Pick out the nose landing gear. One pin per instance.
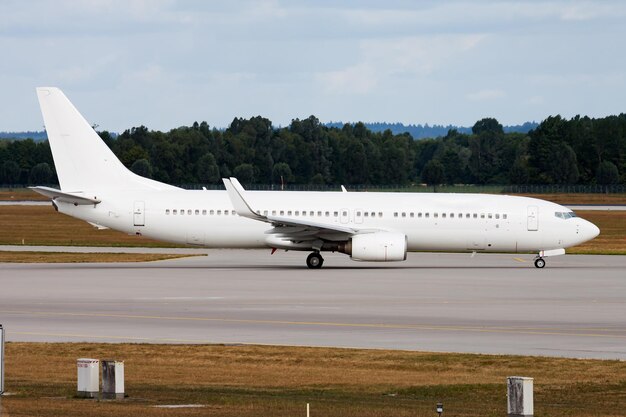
(539, 262)
(314, 260)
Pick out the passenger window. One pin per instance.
(167, 211)
(412, 214)
(504, 216)
(289, 213)
(467, 215)
(497, 216)
(327, 214)
(435, 215)
(282, 212)
(273, 212)
(197, 212)
(182, 212)
(204, 212)
(419, 215)
(395, 214)
(219, 212)
(403, 214)
(189, 212)
(366, 214)
(443, 215)
(319, 214)
(297, 212)
(427, 215)
(475, 215)
(212, 212)
(358, 213)
(311, 213)
(265, 212)
(460, 215)
(373, 214)
(490, 216)
(336, 214)
(174, 211)
(225, 212)
(345, 214)
(452, 215)
(482, 215)
(380, 214)
(233, 212)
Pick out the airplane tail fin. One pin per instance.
(82, 160)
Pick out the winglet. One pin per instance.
(235, 193)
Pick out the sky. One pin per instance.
(168, 63)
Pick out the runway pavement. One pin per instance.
(574, 307)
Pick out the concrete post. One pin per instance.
(520, 397)
(1, 359)
(112, 379)
(88, 371)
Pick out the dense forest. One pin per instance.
(558, 151)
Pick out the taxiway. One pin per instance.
(500, 304)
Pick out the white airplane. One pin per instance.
(368, 226)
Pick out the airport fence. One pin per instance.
(457, 188)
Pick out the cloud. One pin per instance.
(384, 60)
(484, 95)
(357, 79)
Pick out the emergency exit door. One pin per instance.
(139, 215)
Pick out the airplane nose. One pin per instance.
(589, 230)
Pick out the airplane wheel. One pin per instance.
(540, 263)
(314, 260)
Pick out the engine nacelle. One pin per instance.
(377, 247)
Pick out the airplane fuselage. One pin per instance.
(435, 222)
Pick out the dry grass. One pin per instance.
(64, 257)
(20, 194)
(279, 381)
(602, 199)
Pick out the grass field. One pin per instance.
(58, 257)
(41, 225)
(279, 381)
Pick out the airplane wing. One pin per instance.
(58, 195)
(285, 227)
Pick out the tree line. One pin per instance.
(581, 150)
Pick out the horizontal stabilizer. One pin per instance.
(58, 195)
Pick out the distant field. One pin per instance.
(42, 225)
(620, 199)
(241, 381)
(18, 194)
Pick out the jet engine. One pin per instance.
(377, 247)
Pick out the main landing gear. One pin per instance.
(539, 262)
(314, 260)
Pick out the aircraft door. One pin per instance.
(533, 218)
(139, 215)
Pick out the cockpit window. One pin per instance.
(565, 214)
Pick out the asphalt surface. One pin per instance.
(574, 307)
